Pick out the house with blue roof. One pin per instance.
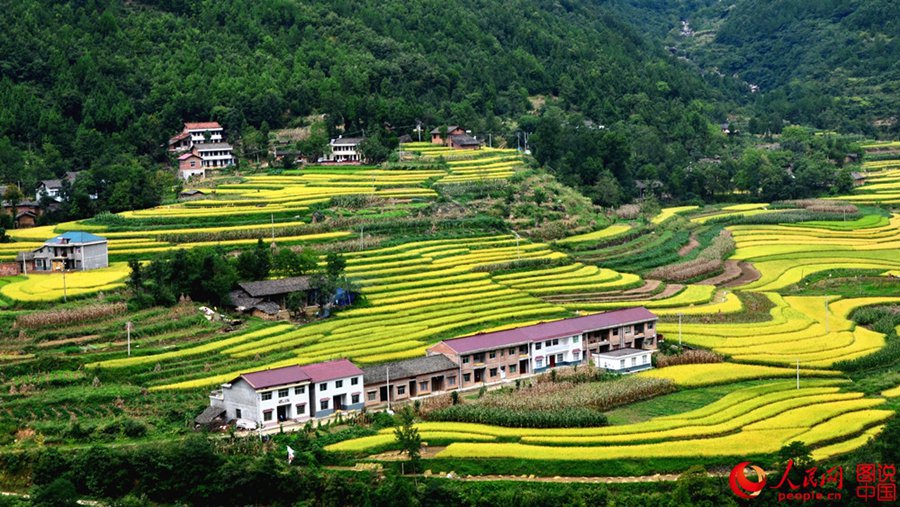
(73, 250)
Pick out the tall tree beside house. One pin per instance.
(408, 437)
(13, 196)
(255, 264)
(315, 145)
(335, 264)
(287, 262)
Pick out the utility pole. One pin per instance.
(128, 326)
(65, 290)
(518, 256)
(273, 227)
(826, 314)
(798, 374)
(490, 139)
(361, 229)
(680, 347)
(387, 370)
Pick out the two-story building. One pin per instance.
(345, 150)
(53, 188)
(501, 355)
(266, 397)
(290, 393)
(402, 380)
(197, 133)
(73, 250)
(335, 385)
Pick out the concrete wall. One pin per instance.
(93, 256)
(241, 396)
(322, 395)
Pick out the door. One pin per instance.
(382, 393)
(552, 359)
(284, 412)
(523, 367)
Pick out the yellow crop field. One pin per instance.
(668, 213)
(53, 286)
(612, 230)
(718, 373)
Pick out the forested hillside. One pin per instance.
(831, 64)
(105, 82)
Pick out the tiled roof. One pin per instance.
(464, 140)
(76, 237)
(450, 128)
(347, 141)
(179, 137)
(408, 368)
(339, 368)
(212, 146)
(275, 377)
(188, 155)
(197, 125)
(265, 288)
(547, 330)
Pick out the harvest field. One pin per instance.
(750, 300)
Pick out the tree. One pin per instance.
(408, 437)
(289, 263)
(13, 196)
(335, 265)
(59, 493)
(254, 264)
(695, 488)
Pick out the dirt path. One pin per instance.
(732, 270)
(612, 297)
(68, 341)
(644, 290)
(690, 246)
(748, 274)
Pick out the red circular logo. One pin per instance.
(741, 485)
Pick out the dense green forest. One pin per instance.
(102, 84)
(99, 85)
(831, 64)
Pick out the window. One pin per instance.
(193, 163)
(616, 332)
(649, 325)
(338, 384)
(401, 389)
(493, 372)
(267, 415)
(301, 409)
(465, 359)
(354, 381)
(479, 358)
(467, 377)
(539, 362)
(451, 380)
(576, 339)
(266, 395)
(237, 413)
(523, 349)
(492, 355)
(643, 359)
(576, 353)
(354, 399)
(512, 350)
(556, 341)
(633, 361)
(512, 368)
(560, 358)
(323, 386)
(284, 393)
(537, 346)
(548, 343)
(371, 395)
(300, 390)
(323, 404)
(423, 386)
(621, 363)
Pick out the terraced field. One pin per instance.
(761, 418)
(466, 166)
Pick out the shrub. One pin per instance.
(687, 357)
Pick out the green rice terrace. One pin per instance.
(443, 244)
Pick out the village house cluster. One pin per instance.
(620, 341)
(203, 146)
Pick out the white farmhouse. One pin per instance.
(344, 150)
(291, 393)
(624, 360)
